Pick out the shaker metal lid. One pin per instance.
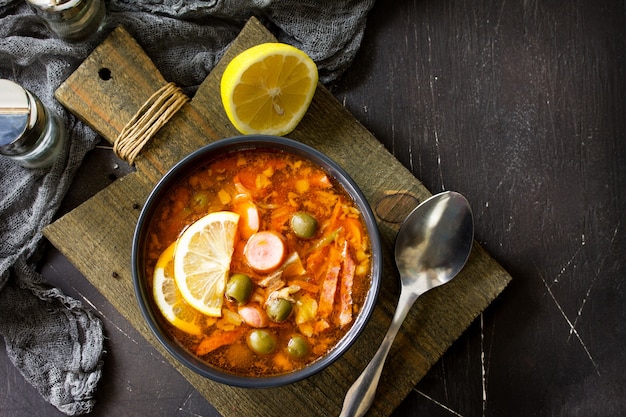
(21, 119)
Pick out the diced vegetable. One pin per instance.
(231, 317)
(320, 180)
(218, 339)
(249, 217)
(307, 286)
(224, 196)
(293, 266)
(306, 309)
(353, 231)
(303, 185)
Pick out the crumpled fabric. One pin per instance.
(55, 342)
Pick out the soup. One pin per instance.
(300, 266)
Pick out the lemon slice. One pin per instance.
(268, 88)
(202, 260)
(169, 299)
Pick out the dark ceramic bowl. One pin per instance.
(143, 290)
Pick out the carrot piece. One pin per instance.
(353, 230)
(281, 215)
(345, 289)
(329, 286)
(218, 339)
(315, 264)
(249, 215)
(334, 217)
(320, 326)
(282, 362)
(265, 251)
(247, 178)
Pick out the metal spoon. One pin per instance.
(432, 246)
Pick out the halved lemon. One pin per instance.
(169, 299)
(202, 260)
(268, 88)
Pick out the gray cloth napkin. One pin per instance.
(54, 341)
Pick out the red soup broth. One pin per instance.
(325, 276)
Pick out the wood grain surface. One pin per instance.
(97, 235)
(520, 106)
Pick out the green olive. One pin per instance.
(298, 346)
(200, 200)
(303, 225)
(239, 288)
(261, 341)
(278, 309)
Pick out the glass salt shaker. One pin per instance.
(30, 134)
(71, 20)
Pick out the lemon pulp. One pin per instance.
(169, 299)
(268, 88)
(202, 260)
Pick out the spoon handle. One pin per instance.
(360, 396)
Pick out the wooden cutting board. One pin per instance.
(106, 91)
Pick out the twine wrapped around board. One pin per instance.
(150, 117)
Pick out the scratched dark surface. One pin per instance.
(519, 105)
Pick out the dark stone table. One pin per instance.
(520, 106)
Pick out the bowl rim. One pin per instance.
(204, 155)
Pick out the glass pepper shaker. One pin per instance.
(30, 134)
(71, 20)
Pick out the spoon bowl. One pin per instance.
(432, 246)
(434, 242)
